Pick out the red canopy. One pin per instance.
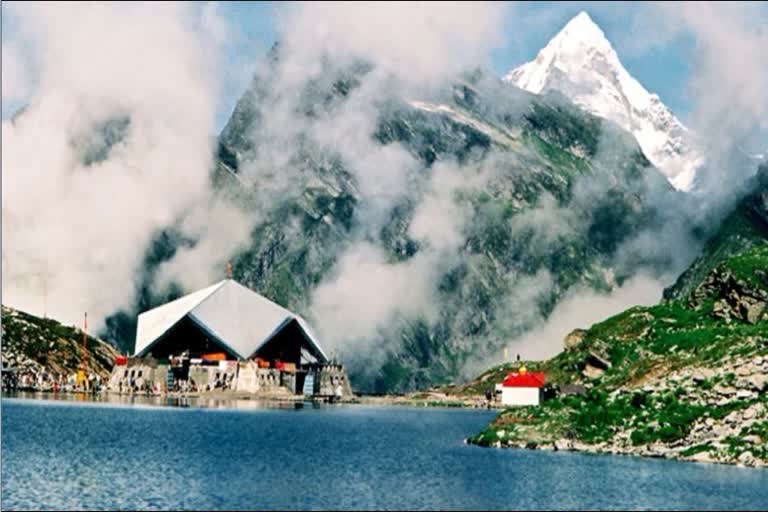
(525, 380)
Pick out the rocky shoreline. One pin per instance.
(651, 451)
(728, 425)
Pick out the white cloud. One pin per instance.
(86, 228)
(422, 41)
(580, 309)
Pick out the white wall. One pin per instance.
(520, 396)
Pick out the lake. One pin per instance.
(81, 455)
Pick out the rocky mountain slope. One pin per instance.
(745, 227)
(42, 345)
(580, 63)
(542, 199)
(537, 150)
(685, 379)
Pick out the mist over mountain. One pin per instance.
(423, 229)
(422, 213)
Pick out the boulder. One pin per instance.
(719, 308)
(725, 391)
(574, 339)
(702, 457)
(702, 374)
(746, 458)
(598, 360)
(720, 431)
(592, 372)
(759, 382)
(754, 312)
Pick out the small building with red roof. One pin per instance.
(523, 388)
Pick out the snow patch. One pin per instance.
(580, 63)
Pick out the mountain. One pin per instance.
(744, 228)
(580, 63)
(42, 345)
(526, 198)
(541, 152)
(686, 379)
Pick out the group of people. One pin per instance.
(137, 385)
(184, 386)
(222, 382)
(28, 380)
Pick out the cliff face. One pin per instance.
(41, 345)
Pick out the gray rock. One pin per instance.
(754, 312)
(702, 374)
(759, 382)
(574, 339)
(598, 360)
(702, 457)
(725, 391)
(747, 458)
(592, 372)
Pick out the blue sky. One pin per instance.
(662, 69)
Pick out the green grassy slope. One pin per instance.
(687, 378)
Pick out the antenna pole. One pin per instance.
(85, 337)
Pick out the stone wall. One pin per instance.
(244, 376)
(138, 377)
(329, 377)
(204, 377)
(252, 379)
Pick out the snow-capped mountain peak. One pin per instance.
(580, 63)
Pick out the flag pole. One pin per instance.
(85, 337)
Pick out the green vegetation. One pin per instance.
(741, 230)
(642, 346)
(51, 344)
(751, 266)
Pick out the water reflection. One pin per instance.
(203, 402)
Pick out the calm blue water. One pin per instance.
(65, 455)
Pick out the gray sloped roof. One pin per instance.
(235, 315)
